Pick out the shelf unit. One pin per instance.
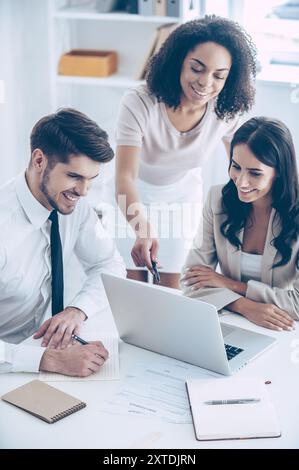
(78, 26)
(88, 13)
(116, 80)
(81, 26)
(66, 21)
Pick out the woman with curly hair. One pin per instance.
(251, 228)
(197, 86)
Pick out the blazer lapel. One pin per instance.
(269, 250)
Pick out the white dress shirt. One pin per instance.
(25, 268)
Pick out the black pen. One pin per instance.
(234, 401)
(80, 340)
(156, 272)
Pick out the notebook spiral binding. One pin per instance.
(68, 412)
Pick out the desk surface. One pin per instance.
(92, 428)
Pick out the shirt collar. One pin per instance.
(34, 210)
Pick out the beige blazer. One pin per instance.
(279, 286)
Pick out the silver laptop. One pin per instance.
(177, 326)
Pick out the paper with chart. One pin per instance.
(155, 389)
(109, 371)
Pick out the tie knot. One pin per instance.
(53, 216)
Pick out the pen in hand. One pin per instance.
(236, 401)
(155, 272)
(80, 340)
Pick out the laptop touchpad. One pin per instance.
(226, 330)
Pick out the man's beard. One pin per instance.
(43, 187)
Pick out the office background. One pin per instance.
(34, 33)
(28, 85)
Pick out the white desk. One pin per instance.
(91, 428)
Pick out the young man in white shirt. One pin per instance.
(67, 150)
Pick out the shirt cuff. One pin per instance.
(23, 358)
(253, 291)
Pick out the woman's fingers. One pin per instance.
(282, 314)
(283, 322)
(137, 259)
(198, 285)
(197, 272)
(271, 326)
(196, 279)
(277, 322)
(191, 280)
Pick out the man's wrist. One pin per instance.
(83, 315)
(50, 361)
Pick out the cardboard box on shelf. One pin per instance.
(88, 63)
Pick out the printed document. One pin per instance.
(155, 389)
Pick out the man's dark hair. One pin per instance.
(164, 69)
(70, 132)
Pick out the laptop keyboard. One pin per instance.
(232, 351)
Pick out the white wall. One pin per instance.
(8, 154)
(24, 68)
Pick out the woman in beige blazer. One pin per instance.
(250, 228)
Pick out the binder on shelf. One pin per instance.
(132, 7)
(173, 8)
(107, 6)
(160, 7)
(146, 7)
(186, 9)
(161, 34)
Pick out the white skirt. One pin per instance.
(174, 211)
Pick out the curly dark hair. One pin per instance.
(271, 143)
(164, 68)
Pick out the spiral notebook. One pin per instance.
(44, 401)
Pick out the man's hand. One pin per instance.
(197, 277)
(57, 331)
(76, 361)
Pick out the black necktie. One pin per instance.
(57, 265)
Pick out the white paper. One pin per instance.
(155, 389)
(109, 371)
